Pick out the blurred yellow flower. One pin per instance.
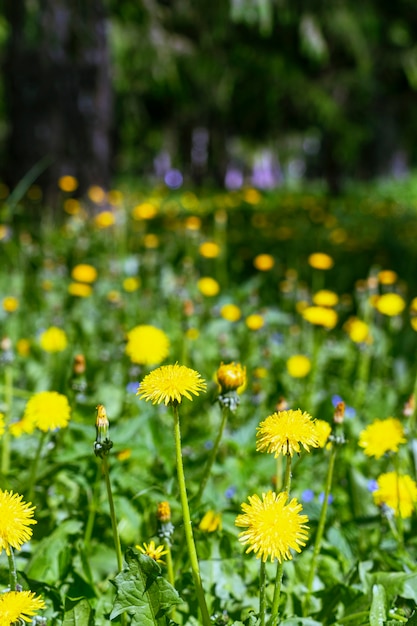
(80, 290)
(96, 194)
(151, 241)
(320, 316)
(72, 206)
(323, 430)
(320, 261)
(144, 211)
(2, 426)
(84, 273)
(413, 322)
(284, 432)
(46, 410)
(325, 297)
(273, 526)
(10, 304)
(147, 345)
(68, 183)
(390, 304)
(211, 522)
(192, 334)
(397, 491)
(387, 277)
(113, 296)
(19, 607)
(124, 455)
(104, 219)
(163, 512)
(209, 249)
(231, 376)
(169, 383)
(154, 552)
(357, 330)
(382, 436)
(193, 223)
(16, 517)
(264, 262)
(131, 284)
(413, 305)
(53, 339)
(255, 321)
(115, 197)
(252, 196)
(298, 366)
(208, 286)
(230, 312)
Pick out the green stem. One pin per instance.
(400, 524)
(280, 565)
(187, 521)
(92, 508)
(12, 570)
(320, 528)
(35, 465)
(413, 418)
(363, 375)
(170, 575)
(5, 440)
(116, 537)
(212, 457)
(262, 594)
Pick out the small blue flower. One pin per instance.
(132, 387)
(307, 495)
(329, 499)
(372, 485)
(230, 492)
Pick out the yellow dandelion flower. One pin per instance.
(170, 383)
(131, 284)
(210, 522)
(163, 513)
(84, 273)
(144, 211)
(115, 197)
(323, 430)
(390, 304)
(193, 223)
(53, 339)
(208, 286)
(413, 306)
(230, 312)
(264, 262)
(96, 194)
(284, 432)
(47, 410)
(397, 491)
(67, 183)
(147, 345)
(255, 321)
(320, 316)
(80, 290)
(124, 455)
(413, 322)
(192, 333)
(209, 249)
(358, 330)
(382, 436)
(387, 277)
(151, 241)
(325, 297)
(153, 551)
(274, 528)
(320, 261)
(10, 304)
(2, 426)
(231, 376)
(17, 607)
(252, 196)
(105, 219)
(298, 366)
(16, 517)
(72, 206)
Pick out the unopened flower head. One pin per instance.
(153, 551)
(284, 432)
(46, 410)
(147, 345)
(17, 607)
(231, 376)
(16, 518)
(273, 526)
(169, 383)
(163, 512)
(397, 491)
(382, 436)
(103, 443)
(339, 413)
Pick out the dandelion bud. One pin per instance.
(231, 376)
(163, 512)
(409, 406)
(165, 528)
(78, 366)
(103, 444)
(339, 413)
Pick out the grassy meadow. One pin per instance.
(258, 305)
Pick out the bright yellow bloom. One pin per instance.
(10, 304)
(18, 606)
(284, 432)
(231, 376)
(193, 223)
(47, 410)
(163, 513)
(53, 339)
(208, 286)
(230, 312)
(298, 366)
(264, 262)
(2, 427)
(323, 430)
(358, 330)
(387, 277)
(170, 383)
(320, 261)
(131, 284)
(15, 520)
(209, 249)
(67, 183)
(382, 436)
(325, 297)
(152, 551)
(211, 522)
(144, 211)
(252, 196)
(84, 273)
(320, 316)
(104, 219)
(390, 304)
(274, 528)
(397, 491)
(147, 345)
(80, 290)
(255, 321)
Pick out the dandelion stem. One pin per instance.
(35, 464)
(12, 570)
(116, 538)
(262, 594)
(213, 454)
(5, 440)
(320, 528)
(92, 508)
(187, 521)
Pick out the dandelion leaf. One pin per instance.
(378, 613)
(78, 613)
(142, 592)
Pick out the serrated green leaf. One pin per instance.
(78, 613)
(143, 592)
(378, 613)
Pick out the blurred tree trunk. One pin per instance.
(57, 76)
